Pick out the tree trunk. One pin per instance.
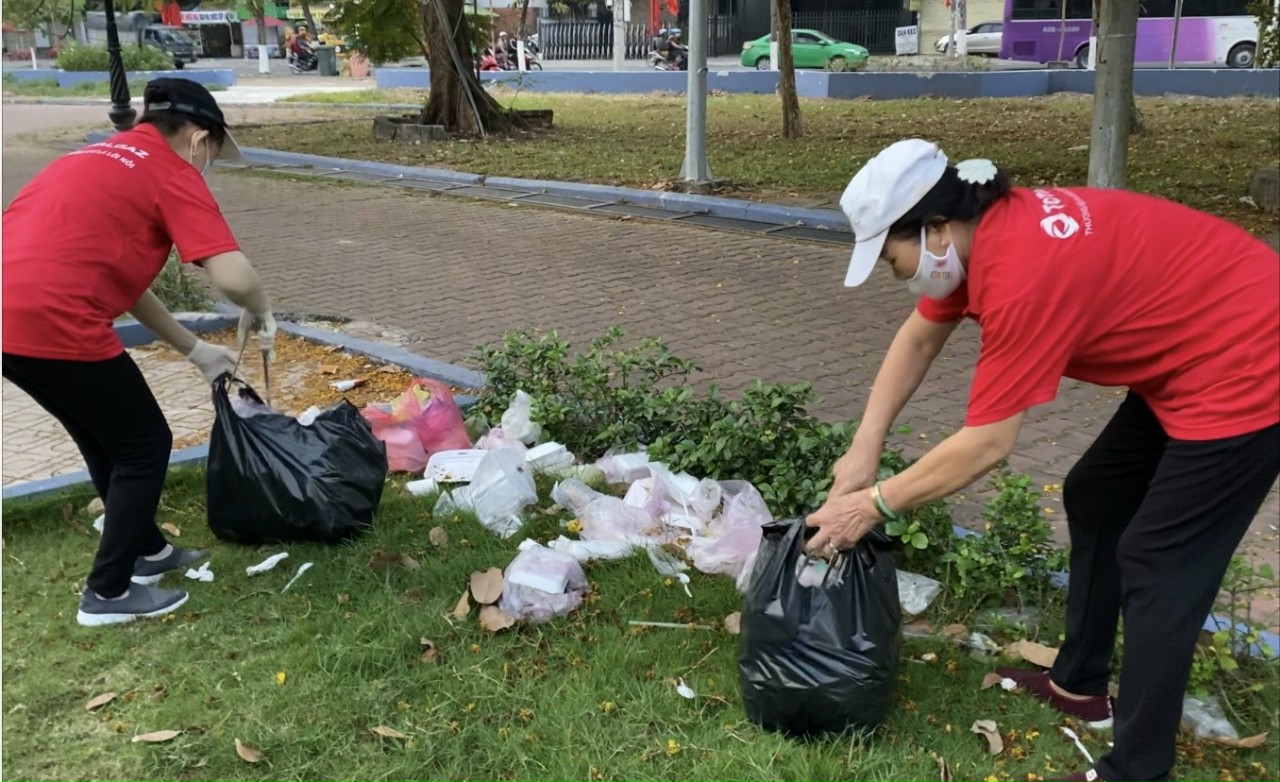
(456, 99)
(311, 20)
(791, 127)
(523, 32)
(260, 18)
(1113, 104)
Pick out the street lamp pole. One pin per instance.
(122, 114)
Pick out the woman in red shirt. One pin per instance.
(1108, 287)
(83, 241)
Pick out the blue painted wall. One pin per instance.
(818, 84)
(226, 77)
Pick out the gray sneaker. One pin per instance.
(147, 572)
(140, 601)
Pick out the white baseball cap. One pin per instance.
(883, 191)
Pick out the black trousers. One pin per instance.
(1154, 523)
(111, 414)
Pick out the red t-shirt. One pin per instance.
(87, 236)
(1121, 289)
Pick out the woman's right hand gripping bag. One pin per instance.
(820, 658)
(272, 478)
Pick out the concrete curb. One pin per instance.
(735, 208)
(134, 334)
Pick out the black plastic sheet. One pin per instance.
(823, 658)
(270, 478)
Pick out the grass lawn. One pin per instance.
(1198, 151)
(48, 88)
(304, 676)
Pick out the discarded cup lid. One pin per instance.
(453, 466)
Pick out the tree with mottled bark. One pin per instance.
(1113, 102)
(791, 127)
(388, 30)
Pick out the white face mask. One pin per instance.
(208, 159)
(938, 276)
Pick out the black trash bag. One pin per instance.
(272, 479)
(819, 659)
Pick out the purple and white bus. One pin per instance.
(1210, 32)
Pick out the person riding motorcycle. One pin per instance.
(672, 50)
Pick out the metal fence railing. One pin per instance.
(579, 40)
(564, 39)
(871, 29)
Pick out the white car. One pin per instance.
(981, 39)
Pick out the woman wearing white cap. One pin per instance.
(83, 242)
(1108, 287)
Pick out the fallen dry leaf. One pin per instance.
(486, 586)
(380, 558)
(247, 753)
(438, 537)
(329, 369)
(96, 507)
(952, 632)
(494, 619)
(988, 728)
(991, 680)
(389, 733)
(463, 607)
(157, 737)
(100, 701)
(68, 511)
(430, 652)
(1032, 652)
(412, 593)
(1252, 742)
(409, 562)
(733, 623)
(172, 529)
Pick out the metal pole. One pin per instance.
(1177, 20)
(122, 114)
(620, 34)
(695, 168)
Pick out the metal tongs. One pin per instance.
(266, 368)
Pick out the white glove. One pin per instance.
(212, 360)
(262, 326)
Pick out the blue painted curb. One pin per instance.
(187, 457)
(133, 334)
(740, 209)
(222, 76)
(736, 208)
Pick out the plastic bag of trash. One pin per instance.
(624, 467)
(426, 413)
(730, 540)
(822, 658)
(574, 495)
(916, 592)
(541, 583)
(680, 499)
(609, 518)
(517, 421)
(1206, 719)
(496, 439)
(272, 478)
(501, 487)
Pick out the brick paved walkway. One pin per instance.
(456, 274)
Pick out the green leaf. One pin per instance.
(920, 540)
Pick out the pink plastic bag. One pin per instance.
(425, 419)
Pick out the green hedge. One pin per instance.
(83, 57)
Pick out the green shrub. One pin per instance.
(1014, 558)
(84, 57)
(179, 289)
(612, 396)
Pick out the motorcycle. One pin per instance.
(303, 61)
(487, 61)
(678, 62)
